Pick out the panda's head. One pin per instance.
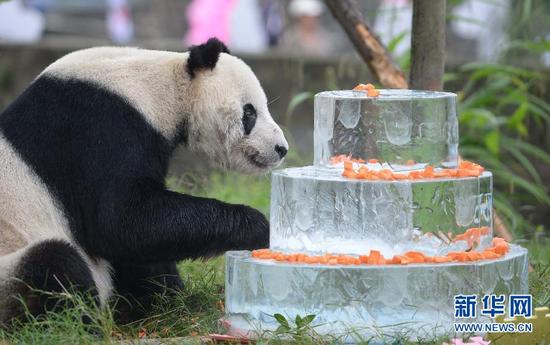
(229, 121)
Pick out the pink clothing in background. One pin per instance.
(208, 18)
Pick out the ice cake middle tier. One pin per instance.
(315, 209)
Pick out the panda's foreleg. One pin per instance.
(138, 286)
(47, 269)
(153, 226)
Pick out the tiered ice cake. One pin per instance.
(382, 231)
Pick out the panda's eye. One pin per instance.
(249, 118)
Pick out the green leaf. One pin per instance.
(394, 42)
(492, 142)
(524, 161)
(298, 321)
(532, 150)
(282, 329)
(308, 319)
(517, 118)
(295, 102)
(478, 117)
(281, 320)
(537, 191)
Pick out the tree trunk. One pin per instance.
(367, 44)
(428, 45)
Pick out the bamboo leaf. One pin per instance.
(525, 162)
(492, 142)
(532, 150)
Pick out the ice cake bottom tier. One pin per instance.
(417, 300)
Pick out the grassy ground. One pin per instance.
(195, 311)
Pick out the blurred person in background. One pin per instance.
(208, 18)
(273, 21)
(247, 30)
(20, 24)
(306, 35)
(119, 21)
(237, 23)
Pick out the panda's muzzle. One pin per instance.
(258, 160)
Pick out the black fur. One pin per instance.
(249, 118)
(107, 166)
(140, 284)
(49, 266)
(205, 56)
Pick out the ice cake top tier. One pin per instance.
(405, 128)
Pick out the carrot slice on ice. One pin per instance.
(374, 257)
(349, 173)
(442, 259)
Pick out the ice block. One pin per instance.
(315, 209)
(416, 299)
(404, 128)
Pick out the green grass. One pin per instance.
(195, 311)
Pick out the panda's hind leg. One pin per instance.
(139, 285)
(45, 271)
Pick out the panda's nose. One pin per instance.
(281, 150)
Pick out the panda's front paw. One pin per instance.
(254, 229)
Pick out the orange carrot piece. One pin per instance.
(400, 260)
(442, 259)
(266, 256)
(385, 174)
(414, 253)
(467, 173)
(416, 175)
(459, 256)
(363, 172)
(498, 240)
(364, 259)
(374, 257)
(372, 177)
(311, 260)
(373, 161)
(373, 93)
(474, 256)
(348, 165)
(440, 174)
(489, 255)
(400, 176)
(349, 174)
(501, 248)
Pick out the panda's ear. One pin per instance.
(205, 55)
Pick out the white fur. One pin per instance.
(27, 209)
(29, 214)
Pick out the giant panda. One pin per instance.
(84, 152)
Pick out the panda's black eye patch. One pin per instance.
(249, 118)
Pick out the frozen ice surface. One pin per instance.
(315, 209)
(397, 127)
(398, 298)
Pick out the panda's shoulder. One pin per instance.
(94, 60)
